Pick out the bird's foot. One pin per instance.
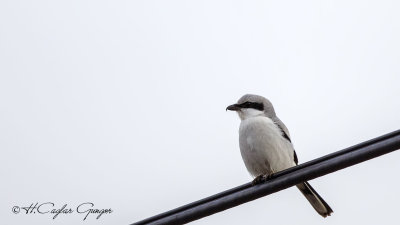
(261, 179)
(258, 180)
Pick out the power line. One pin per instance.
(281, 180)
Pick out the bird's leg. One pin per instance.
(269, 176)
(262, 178)
(258, 180)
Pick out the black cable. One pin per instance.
(281, 180)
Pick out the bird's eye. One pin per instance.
(253, 105)
(247, 104)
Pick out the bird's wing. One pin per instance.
(286, 135)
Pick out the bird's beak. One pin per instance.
(234, 107)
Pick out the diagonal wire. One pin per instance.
(281, 180)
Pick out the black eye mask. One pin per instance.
(253, 105)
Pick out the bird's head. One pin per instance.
(251, 106)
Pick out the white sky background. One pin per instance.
(122, 103)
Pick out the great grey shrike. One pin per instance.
(266, 147)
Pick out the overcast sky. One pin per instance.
(122, 104)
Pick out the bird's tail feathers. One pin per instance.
(315, 199)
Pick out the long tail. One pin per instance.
(315, 199)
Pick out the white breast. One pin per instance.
(264, 150)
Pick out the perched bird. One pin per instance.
(266, 147)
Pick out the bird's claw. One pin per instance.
(261, 179)
(257, 180)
